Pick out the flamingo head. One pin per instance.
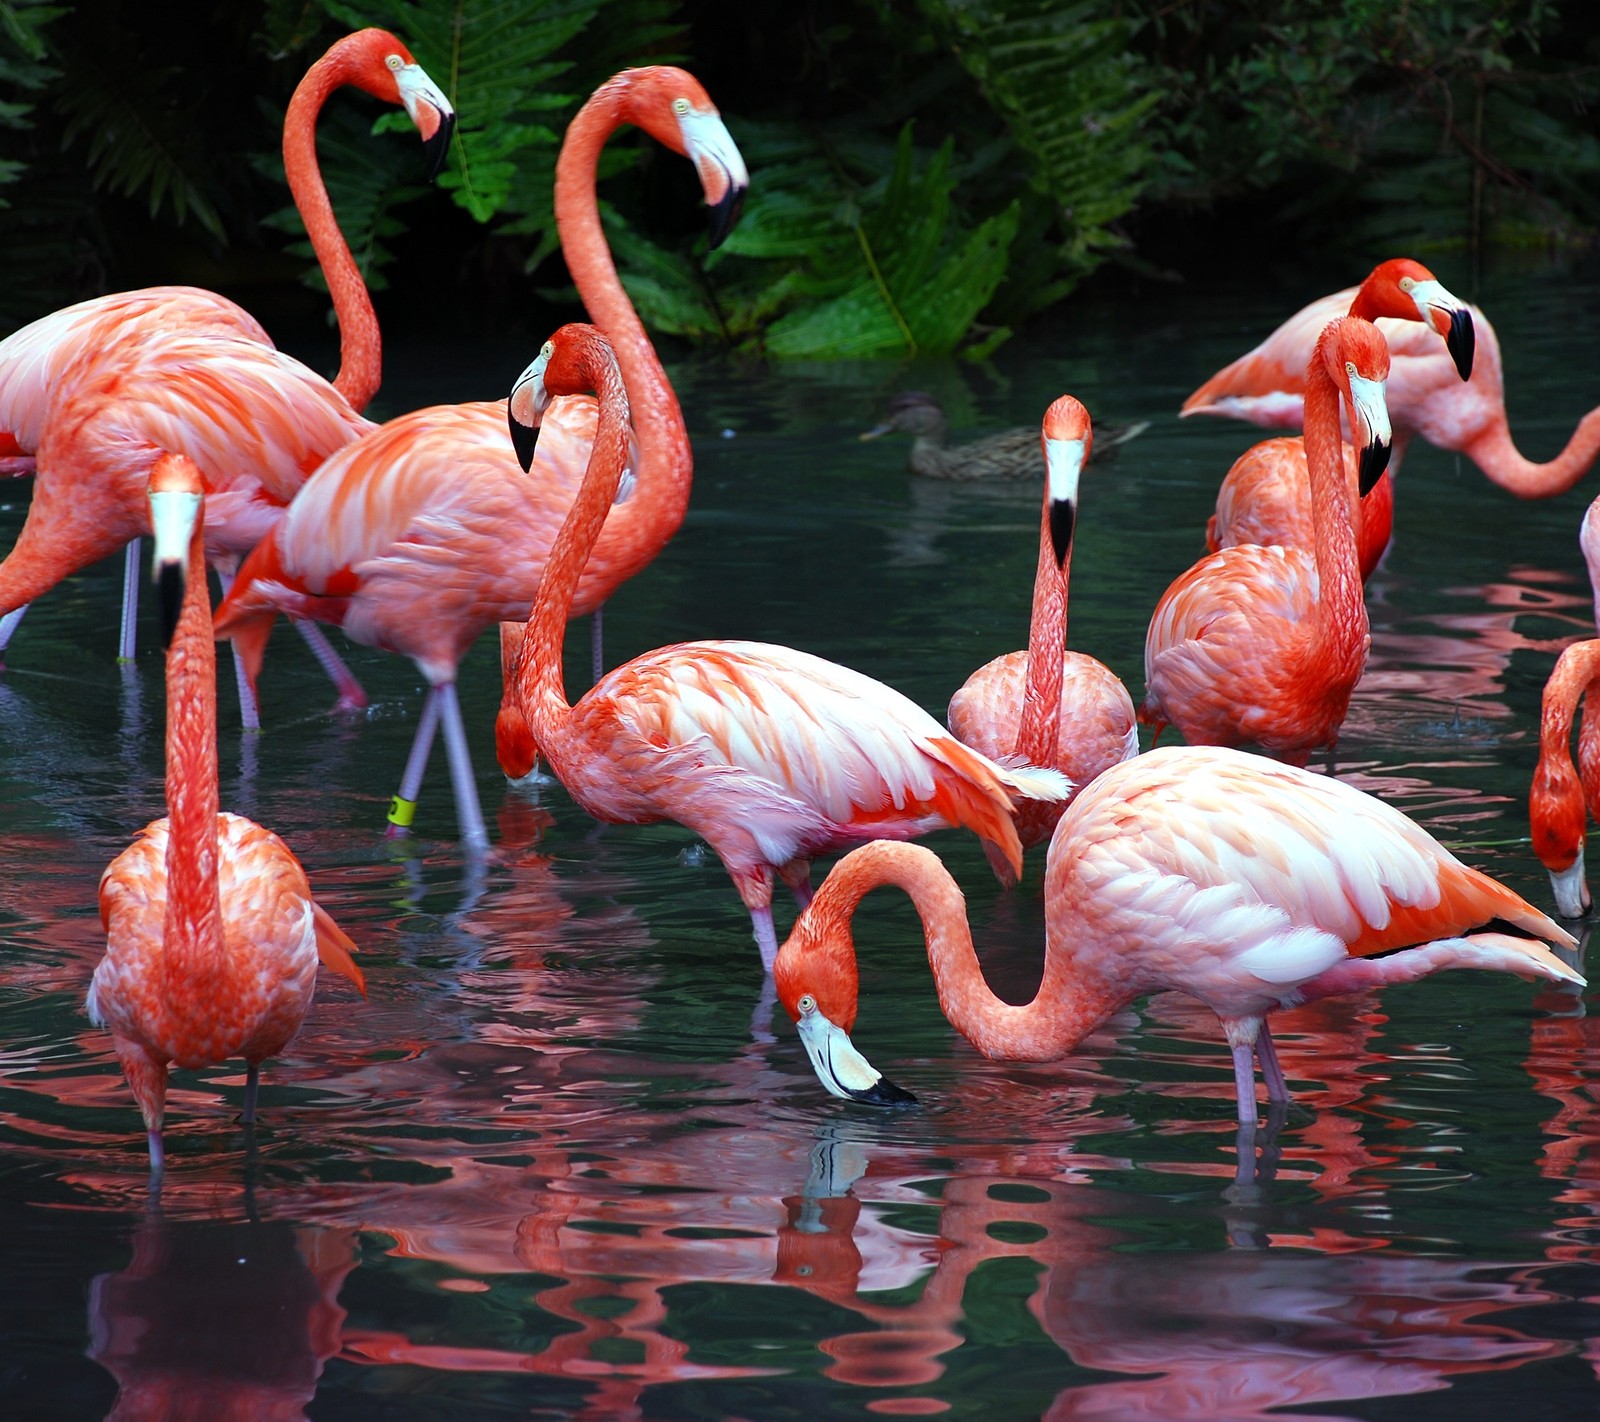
(375, 61)
(514, 745)
(574, 361)
(1356, 356)
(818, 985)
(176, 502)
(1556, 816)
(1408, 291)
(1067, 439)
(670, 105)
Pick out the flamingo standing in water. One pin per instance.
(427, 531)
(1048, 705)
(212, 936)
(1250, 885)
(1265, 644)
(1267, 387)
(34, 359)
(1561, 796)
(1266, 495)
(770, 755)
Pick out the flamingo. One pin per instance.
(252, 418)
(1047, 705)
(34, 359)
(769, 754)
(1250, 885)
(1467, 416)
(422, 534)
(212, 936)
(1561, 796)
(1266, 644)
(1266, 495)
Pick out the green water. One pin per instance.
(565, 1161)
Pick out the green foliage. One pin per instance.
(24, 70)
(1436, 123)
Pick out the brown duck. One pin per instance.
(1010, 454)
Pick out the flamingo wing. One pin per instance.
(1267, 384)
(1307, 867)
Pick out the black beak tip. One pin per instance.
(884, 1093)
(1462, 341)
(524, 439)
(1063, 515)
(169, 589)
(725, 214)
(438, 147)
(1374, 460)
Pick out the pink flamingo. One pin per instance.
(770, 755)
(1048, 705)
(422, 534)
(1266, 387)
(1561, 797)
(1266, 496)
(34, 359)
(1265, 644)
(212, 936)
(1249, 885)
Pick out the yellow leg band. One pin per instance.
(402, 812)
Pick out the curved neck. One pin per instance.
(1341, 612)
(1040, 726)
(638, 528)
(543, 692)
(192, 943)
(360, 347)
(1064, 1010)
(1492, 450)
(1575, 670)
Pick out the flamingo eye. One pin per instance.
(548, 349)
(1406, 283)
(807, 1004)
(680, 106)
(1350, 369)
(395, 63)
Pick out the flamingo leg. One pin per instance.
(474, 834)
(249, 711)
(252, 1084)
(1271, 1070)
(404, 805)
(130, 601)
(352, 697)
(158, 1156)
(766, 936)
(1244, 1081)
(596, 640)
(797, 875)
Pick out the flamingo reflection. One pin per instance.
(230, 1321)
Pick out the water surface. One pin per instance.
(566, 1161)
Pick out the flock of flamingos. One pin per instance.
(1238, 877)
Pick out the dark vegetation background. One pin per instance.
(925, 176)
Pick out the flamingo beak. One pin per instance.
(173, 515)
(1369, 418)
(433, 114)
(1571, 889)
(841, 1068)
(1063, 460)
(525, 409)
(723, 175)
(1461, 341)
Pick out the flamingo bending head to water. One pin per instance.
(1045, 704)
(769, 754)
(1562, 797)
(212, 936)
(1250, 885)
